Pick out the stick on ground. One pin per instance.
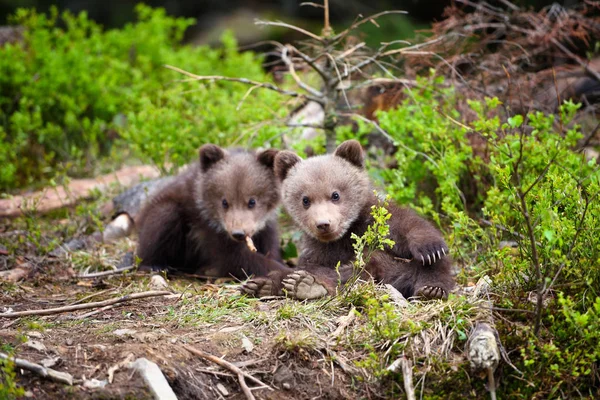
(241, 375)
(407, 374)
(49, 373)
(59, 310)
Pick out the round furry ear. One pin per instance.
(351, 151)
(267, 157)
(284, 161)
(210, 154)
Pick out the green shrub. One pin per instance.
(71, 87)
(8, 387)
(522, 183)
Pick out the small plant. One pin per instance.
(9, 389)
(375, 238)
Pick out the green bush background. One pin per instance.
(75, 99)
(72, 94)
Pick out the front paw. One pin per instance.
(432, 293)
(302, 285)
(430, 253)
(259, 287)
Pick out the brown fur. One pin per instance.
(328, 223)
(188, 227)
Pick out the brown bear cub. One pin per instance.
(199, 223)
(330, 198)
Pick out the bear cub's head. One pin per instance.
(237, 191)
(324, 194)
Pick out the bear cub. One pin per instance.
(200, 221)
(330, 198)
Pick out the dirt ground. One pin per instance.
(257, 335)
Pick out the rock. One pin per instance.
(118, 228)
(94, 383)
(157, 282)
(222, 389)
(124, 332)
(34, 344)
(154, 378)
(483, 351)
(247, 344)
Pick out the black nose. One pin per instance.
(323, 226)
(238, 235)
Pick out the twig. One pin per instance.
(312, 62)
(289, 26)
(358, 23)
(531, 236)
(407, 375)
(91, 313)
(106, 273)
(265, 85)
(92, 295)
(292, 70)
(241, 375)
(57, 376)
(59, 310)
(575, 57)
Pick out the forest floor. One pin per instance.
(298, 350)
(282, 342)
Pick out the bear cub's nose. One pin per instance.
(323, 226)
(238, 235)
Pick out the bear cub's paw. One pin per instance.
(431, 293)
(429, 253)
(259, 287)
(303, 286)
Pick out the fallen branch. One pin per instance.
(49, 373)
(59, 310)
(241, 375)
(68, 195)
(106, 273)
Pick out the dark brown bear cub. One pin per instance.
(330, 198)
(199, 222)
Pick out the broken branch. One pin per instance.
(49, 373)
(241, 375)
(59, 310)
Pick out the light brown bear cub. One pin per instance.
(330, 198)
(199, 222)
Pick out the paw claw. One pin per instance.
(423, 259)
(303, 286)
(258, 287)
(429, 259)
(432, 293)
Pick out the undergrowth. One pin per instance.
(490, 177)
(72, 93)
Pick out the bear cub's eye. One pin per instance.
(305, 201)
(225, 204)
(335, 196)
(251, 203)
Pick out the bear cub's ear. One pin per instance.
(351, 151)
(210, 154)
(267, 157)
(284, 161)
